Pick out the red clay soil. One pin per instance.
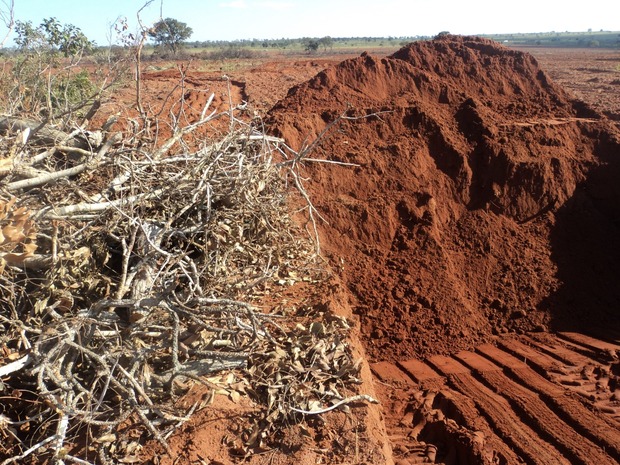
(481, 217)
(484, 201)
(184, 90)
(589, 74)
(535, 399)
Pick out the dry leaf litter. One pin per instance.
(130, 270)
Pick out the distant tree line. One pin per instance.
(589, 39)
(308, 43)
(171, 38)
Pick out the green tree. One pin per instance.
(43, 83)
(311, 45)
(170, 33)
(54, 36)
(326, 42)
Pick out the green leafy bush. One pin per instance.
(43, 79)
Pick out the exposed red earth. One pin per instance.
(483, 205)
(591, 75)
(483, 201)
(474, 241)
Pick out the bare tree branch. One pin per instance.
(7, 16)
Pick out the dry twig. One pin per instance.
(146, 264)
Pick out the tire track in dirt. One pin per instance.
(511, 403)
(398, 389)
(573, 410)
(426, 427)
(563, 354)
(500, 414)
(596, 378)
(462, 410)
(592, 343)
(534, 411)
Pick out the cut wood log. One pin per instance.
(42, 133)
(97, 160)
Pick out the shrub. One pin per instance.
(228, 53)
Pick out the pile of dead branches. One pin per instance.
(129, 270)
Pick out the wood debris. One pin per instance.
(128, 269)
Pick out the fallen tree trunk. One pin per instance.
(41, 133)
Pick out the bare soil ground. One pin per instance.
(591, 75)
(473, 245)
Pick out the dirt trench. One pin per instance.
(476, 236)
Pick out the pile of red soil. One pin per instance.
(484, 200)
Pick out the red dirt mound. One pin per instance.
(484, 200)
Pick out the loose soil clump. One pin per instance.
(482, 200)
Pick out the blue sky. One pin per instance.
(247, 19)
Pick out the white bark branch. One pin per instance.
(15, 366)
